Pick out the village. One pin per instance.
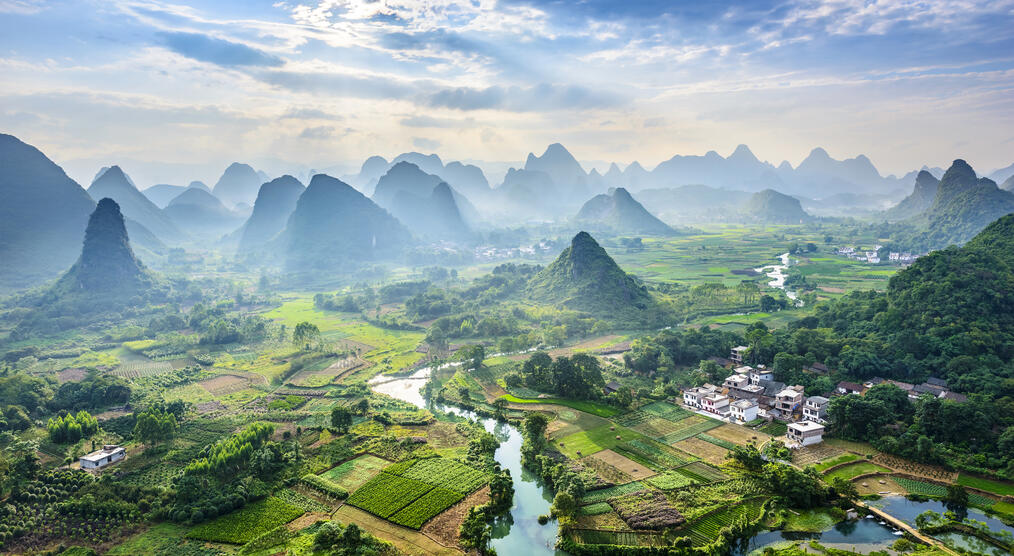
(751, 395)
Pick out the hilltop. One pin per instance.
(42, 215)
(114, 184)
(772, 206)
(275, 202)
(619, 212)
(963, 206)
(238, 184)
(200, 212)
(921, 198)
(334, 226)
(585, 278)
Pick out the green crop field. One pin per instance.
(702, 472)
(717, 441)
(774, 428)
(670, 480)
(854, 470)
(844, 458)
(598, 409)
(603, 494)
(385, 494)
(242, 526)
(996, 487)
(652, 454)
(444, 473)
(706, 529)
(692, 426)
(588, 442)
(354, 473)
(425, 507)
(597, 508)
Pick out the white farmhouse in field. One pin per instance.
(804, 433)
(110, 453)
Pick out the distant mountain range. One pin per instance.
(238, 184)
(201, 213)
(774, 207)
(466, 179)
(162, 193)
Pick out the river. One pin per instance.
(519, 531)
(778, 276)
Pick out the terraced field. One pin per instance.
(691, 426)
(702, 472)
(706, 529)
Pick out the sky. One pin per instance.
(174, 91)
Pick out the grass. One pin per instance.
(603, 494)
(988, 485)
(844, 458)
(774, 428)
(588, 442)
(809, 521)
(600, 410)
(852, 471)
(242, 526)
(354, 473)
(385, 494)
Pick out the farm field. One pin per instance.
(627, 466)
(242, 526)
(356, 472)
(853, 470)
(704, 530)
(703, 449)
(600, 438)
(691, 426)
(386, 493)
(597, 409)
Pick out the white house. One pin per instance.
(789, 400)
(692, 396)
(815, 409)
(743, 410)
(804, 433)
(716, 403)
(110, 453)
(761, 375)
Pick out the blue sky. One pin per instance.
(178, 90)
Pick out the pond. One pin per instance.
(519, 531)
(861, 535)
(907, 510)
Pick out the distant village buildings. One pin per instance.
(873, 256)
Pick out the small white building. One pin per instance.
(804, 433)
(761, 375)
(743, 410)
(110, 453)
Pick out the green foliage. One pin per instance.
(577, 377)
(585, 278)
(71, 428)
(230, 455)
(385, 494)
(242, 526)
(443, 473)
(425, 507)
(155, 426)
(324, 486)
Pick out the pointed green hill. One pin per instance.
(619, 212)
(585, 278)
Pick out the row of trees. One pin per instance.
(71, 427)
(578, 377)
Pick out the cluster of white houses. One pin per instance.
(873, 257)
(750, 393)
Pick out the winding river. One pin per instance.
(519, 531)
(777, 274)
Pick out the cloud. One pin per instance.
(543, 97)
(429, 121)
(317, 133)
(23, 7)
(217, 51)
(309, 114)
(423, 143)
(339, 84)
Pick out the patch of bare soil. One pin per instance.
(444, 527)
(71, 375)
(306, 520)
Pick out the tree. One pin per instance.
(845, 488)
(155, 426)
(500, 408)
(956, 496)
(305, 334)
(363, 407)
(341, 419)
(472, 355)
(563, 506)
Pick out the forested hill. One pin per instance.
(951, 314)
(585, 278)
